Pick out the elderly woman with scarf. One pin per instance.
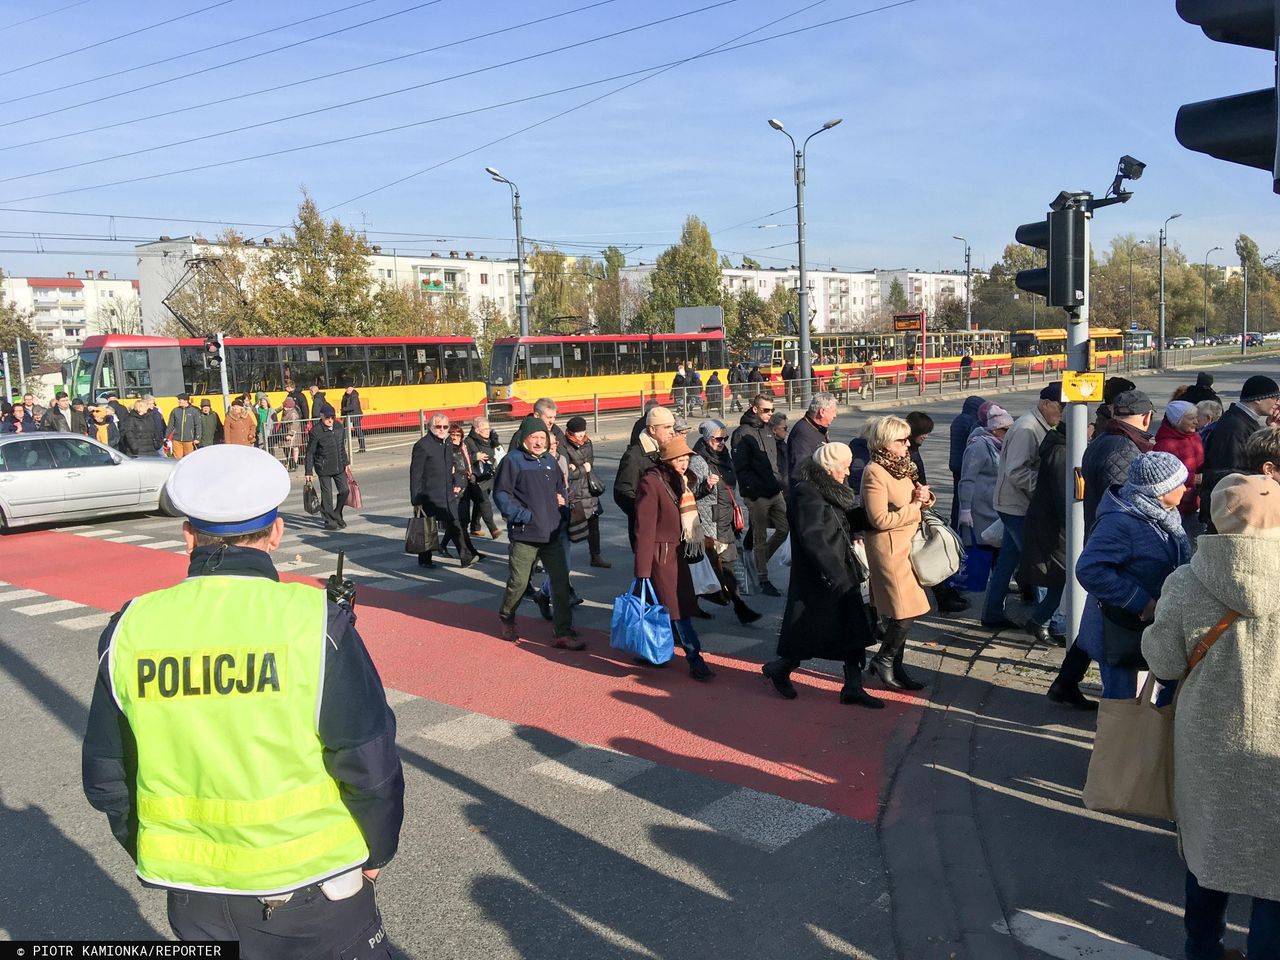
(1136, 542)
(1179, 434)
(825, 616)
(714, 479)
(893, 498)
(668, 537)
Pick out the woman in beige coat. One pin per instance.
(1226, 733)
(893, 498)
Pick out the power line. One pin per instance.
(189, 53)
(41, 16)
(372, 97)
(297, 83)
(753, 220)
(653, 70)
(219, 66)
(122, 36)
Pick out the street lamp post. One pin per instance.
(1131, 283)
(806, 365)
(1206, 291)
(968, 285)
(522, 306)
(1164, 233)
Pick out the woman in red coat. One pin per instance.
(1178, 435)
(668, 537)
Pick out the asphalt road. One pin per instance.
(574, 805)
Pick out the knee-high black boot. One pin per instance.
(882, 665)
(852, 692)
(900, 674)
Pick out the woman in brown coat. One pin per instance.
(241, 426)
(668, 537)
(893, 498)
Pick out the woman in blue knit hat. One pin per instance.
(1136, 542)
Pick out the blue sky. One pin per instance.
(959, 118)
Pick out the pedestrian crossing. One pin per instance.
(87, 618)
(760, 820)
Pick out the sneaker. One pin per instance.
(768, 589)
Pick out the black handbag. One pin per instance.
(421, 535)
(594, 487)
(1122, 638)
(310, 498)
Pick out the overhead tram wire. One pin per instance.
(41, 16)
(519, 100)
(372, 97)
(122, 36)
(745, 223)
(219, 66)
(725, 47)
(324, 76)
(189, 53)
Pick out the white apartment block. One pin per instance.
(161, 265)
(924, 291)
(69, 308)
(838, 300)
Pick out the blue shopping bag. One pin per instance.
(641, 626)
(975, 567)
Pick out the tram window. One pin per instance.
(577, 359)
(137, 371)
(457, 363)
(630, 357)
(387, 364)
(257, 368)
(106, 374)
(604, 359)
(545, 361)
(195, 375)
(303, 366)
(673, 354)
(345, 366)
(715, 354)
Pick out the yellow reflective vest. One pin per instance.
(220, 679)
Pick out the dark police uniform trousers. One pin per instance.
(308, 927)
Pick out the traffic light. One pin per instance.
(1240, 128)
(1061, 236)
(26, 356)
(212, 352)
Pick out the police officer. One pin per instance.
(239, 739)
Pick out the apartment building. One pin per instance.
(69, 308)
(162, 263)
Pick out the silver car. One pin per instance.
(65, 476)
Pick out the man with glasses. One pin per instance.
(434, 488)
(638, 459)
(757, 460)
(1016, 477)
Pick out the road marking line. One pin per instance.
(97, 533)
(128, 538)
(1068, 940)
(19, 595)
(469, 732)
(53, 606)
(761, 819)
(164, 545)
(593, 768)
(87, 622)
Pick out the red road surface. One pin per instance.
(734, 729)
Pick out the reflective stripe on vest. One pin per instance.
(220, 679)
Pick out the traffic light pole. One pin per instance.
(1077, 419)
(222, 367)
(8, 383)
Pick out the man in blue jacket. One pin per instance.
(530, 492)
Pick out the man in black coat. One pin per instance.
(810, 433)
(1202, 390)
(138, 436)
(327, 462)
(59, 417)
(1044, 539)
(761, 480)
(352, 410)
(1224, 450)
(434, 487)
(1106, 461)
(640, 457)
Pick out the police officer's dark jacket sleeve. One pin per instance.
(356, 727)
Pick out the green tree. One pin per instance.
(948, 314)
(607, 296)
(219, 293)
(897, 301)
(315, 281)
(561, 290)
(750, 263)
(686, 275)
(745, 319)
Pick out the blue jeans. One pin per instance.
(687, 637)
(1006, 566)
(1205, 920)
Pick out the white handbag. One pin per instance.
(936, 551)
(993, 536)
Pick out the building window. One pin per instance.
(484, 279)
(502, 279)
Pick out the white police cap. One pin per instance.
(228, 489)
